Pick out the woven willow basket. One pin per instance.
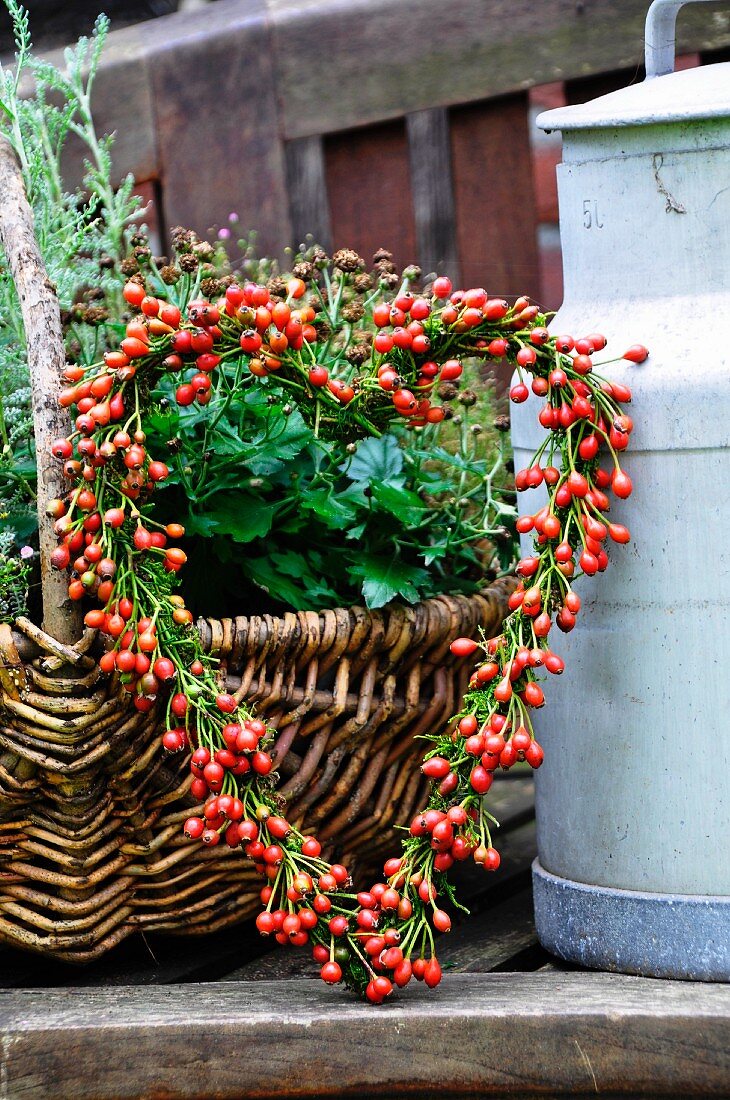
(91, 807)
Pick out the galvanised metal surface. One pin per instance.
(633, 793)
(634, 932)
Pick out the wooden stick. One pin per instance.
(46, 357)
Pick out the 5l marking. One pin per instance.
(591, 217)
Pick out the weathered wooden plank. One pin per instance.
(496, 219)
(307, 186)
(433, 191)
(506, 1033)
(470, 51)
(217, 124)
(369, 186)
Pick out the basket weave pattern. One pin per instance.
(91, 807)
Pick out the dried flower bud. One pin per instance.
(188, 262)
(447, 391)
(363, 283)
(467, 398)
(182, 239)
(381, 254)
(502, 423)
(129, 266)
(412, 272)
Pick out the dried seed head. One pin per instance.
(182, 239)
(188, 262)
(502, 423)
(204, 251)
(388, 279)
(212, 288)
(129, 266)
(346, 259)
(320, 258)
(276, 287)
(447, 391)
(353, 312)
(357, 353)
(169, 274)
(363, 283)
(412, 272)
(467, 398)
(381, 254)
(303, 270)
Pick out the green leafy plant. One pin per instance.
(83, 235)
(284, 505)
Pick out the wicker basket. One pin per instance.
(91, 807)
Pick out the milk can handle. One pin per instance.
(661, 22)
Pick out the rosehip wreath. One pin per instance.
(119, 554)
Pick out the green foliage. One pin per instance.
(14, 579)
(82, 234)
(276, 516)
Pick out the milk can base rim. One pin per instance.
(684, 936)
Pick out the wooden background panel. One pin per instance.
(432, 187)
(369, 186)
(496, 222)
(217, 127)
(382, 59)
(306, 179)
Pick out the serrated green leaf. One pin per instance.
(376, 460)
(385, 579)
(241, 516)
(336, 512)
(404, 504)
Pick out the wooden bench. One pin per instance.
(226, 1016)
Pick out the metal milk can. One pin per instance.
(633, 801)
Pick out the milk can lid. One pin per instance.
(684, 96)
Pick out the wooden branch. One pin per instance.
(46, 356)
